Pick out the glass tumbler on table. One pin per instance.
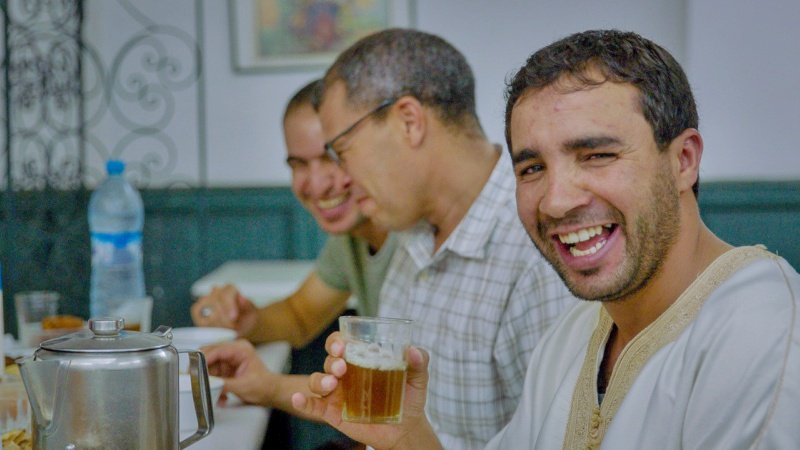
(32, 307)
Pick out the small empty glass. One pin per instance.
(32, 308)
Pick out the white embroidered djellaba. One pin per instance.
(720, 369)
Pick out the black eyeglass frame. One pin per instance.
(333, 154)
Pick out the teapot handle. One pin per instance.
(201, 393)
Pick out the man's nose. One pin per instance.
(564, 192)
(319, 179)
(326, 176)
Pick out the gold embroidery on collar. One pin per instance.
(587, 421)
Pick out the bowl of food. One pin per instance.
(187, 417)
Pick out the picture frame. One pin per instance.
(292, 35)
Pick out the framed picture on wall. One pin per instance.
(274, 35)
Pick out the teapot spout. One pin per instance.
(45, 383)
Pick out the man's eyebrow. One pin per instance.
(291, 159)
(590, 142)
(575, 144)
(524, 155)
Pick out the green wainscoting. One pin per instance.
(747, 213)
(188, 232)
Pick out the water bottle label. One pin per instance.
(105, 247)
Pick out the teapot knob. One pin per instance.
(106, 326)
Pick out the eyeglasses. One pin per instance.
(331, 152)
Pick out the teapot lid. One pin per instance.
(105, 335)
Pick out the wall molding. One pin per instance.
(755, 212)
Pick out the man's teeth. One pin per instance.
(583, 236)
(589, 251)
(331, 202)
(580, 235)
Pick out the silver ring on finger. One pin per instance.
(206, 311)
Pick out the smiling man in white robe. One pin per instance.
(683, 342)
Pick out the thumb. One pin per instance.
(417, 381)
(418, 359)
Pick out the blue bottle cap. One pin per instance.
(115, 167)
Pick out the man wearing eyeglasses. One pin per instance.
(398, 110)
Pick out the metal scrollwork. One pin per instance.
(74, 98)
(43, 94)
(149, 79)
(73, 103)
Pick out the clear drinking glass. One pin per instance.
(376, 351)
(32, 307)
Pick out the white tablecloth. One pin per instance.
(238, 426)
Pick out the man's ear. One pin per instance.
(688, 149)
(412, 120)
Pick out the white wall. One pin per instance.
(744, 63)
(244, 138)
(748, 98)
(498, 36)
(244, 111)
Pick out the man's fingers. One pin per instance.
(228, 303)
(219, 308)
(232, 353)
(243, 305)
(334, 345)
(300, 402)
(314, 407)
(335, 366)
(319, 408)
(322, 384)
(199, 316)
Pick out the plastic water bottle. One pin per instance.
(116, 218)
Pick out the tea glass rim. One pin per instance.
(388, 320)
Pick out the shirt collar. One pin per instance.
(470, 237)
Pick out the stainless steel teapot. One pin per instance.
(105, 388)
